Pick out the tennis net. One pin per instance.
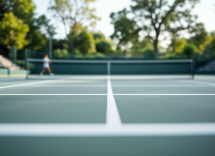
(115, 67)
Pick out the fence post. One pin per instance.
(13, 54)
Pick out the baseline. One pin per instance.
(198, 82)
(193, 129)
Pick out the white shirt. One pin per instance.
(46, 62)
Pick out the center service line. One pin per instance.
(112, 116)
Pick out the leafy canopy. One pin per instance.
(125, 30)
(13, 31)
(154, 14)
(85, 42)
(73, 12)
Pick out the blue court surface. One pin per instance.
(107, 116)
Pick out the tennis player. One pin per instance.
(46, 62)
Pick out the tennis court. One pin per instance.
(103, 115)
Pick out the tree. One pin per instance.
(72, 13)
(212, 44)
(200, 37)
(146, 42)
(189, 50)
(98, 36)
(126, 31)
(178, 22)
(40, 28)
(13, 32)
(85, 42)
(25, 10)
(179, 45)
(154, 14)
(102, 44)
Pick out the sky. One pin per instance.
(205, 11)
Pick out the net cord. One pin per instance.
(113, 61)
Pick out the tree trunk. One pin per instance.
(72, 45)
(174, 49)
(156, 46)
(157, 31)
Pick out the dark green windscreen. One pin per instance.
(150, 68)
(116, 68)
(71, 68)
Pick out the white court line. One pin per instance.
(107, 94)
(166, 94)
(67, 86)
(26, 84)
(112, 115)
(159, 85)
(186, 129)
(51, 94)
(165, 86)
(198, 82)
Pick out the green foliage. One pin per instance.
(61, 53)
(71, 13)
(23, 9)
(125, 30)
(201, 38)
(104, 46)
(40, 29)
(43, 24)
(142, 44)
(60, 44)
(212, 47)
(98, 36)
(213, 34)
(12, 31)
(178, 45)
(85, 42)
(147, 52)
(189, 50)
(155, 14)
(177, 22)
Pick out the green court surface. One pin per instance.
(107, 116)
(166, 109)
(54, 109)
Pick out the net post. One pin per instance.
(27, 66)
(192, 69)
(108, 68)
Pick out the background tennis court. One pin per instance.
(107, 115)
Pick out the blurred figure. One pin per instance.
(46, 62)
